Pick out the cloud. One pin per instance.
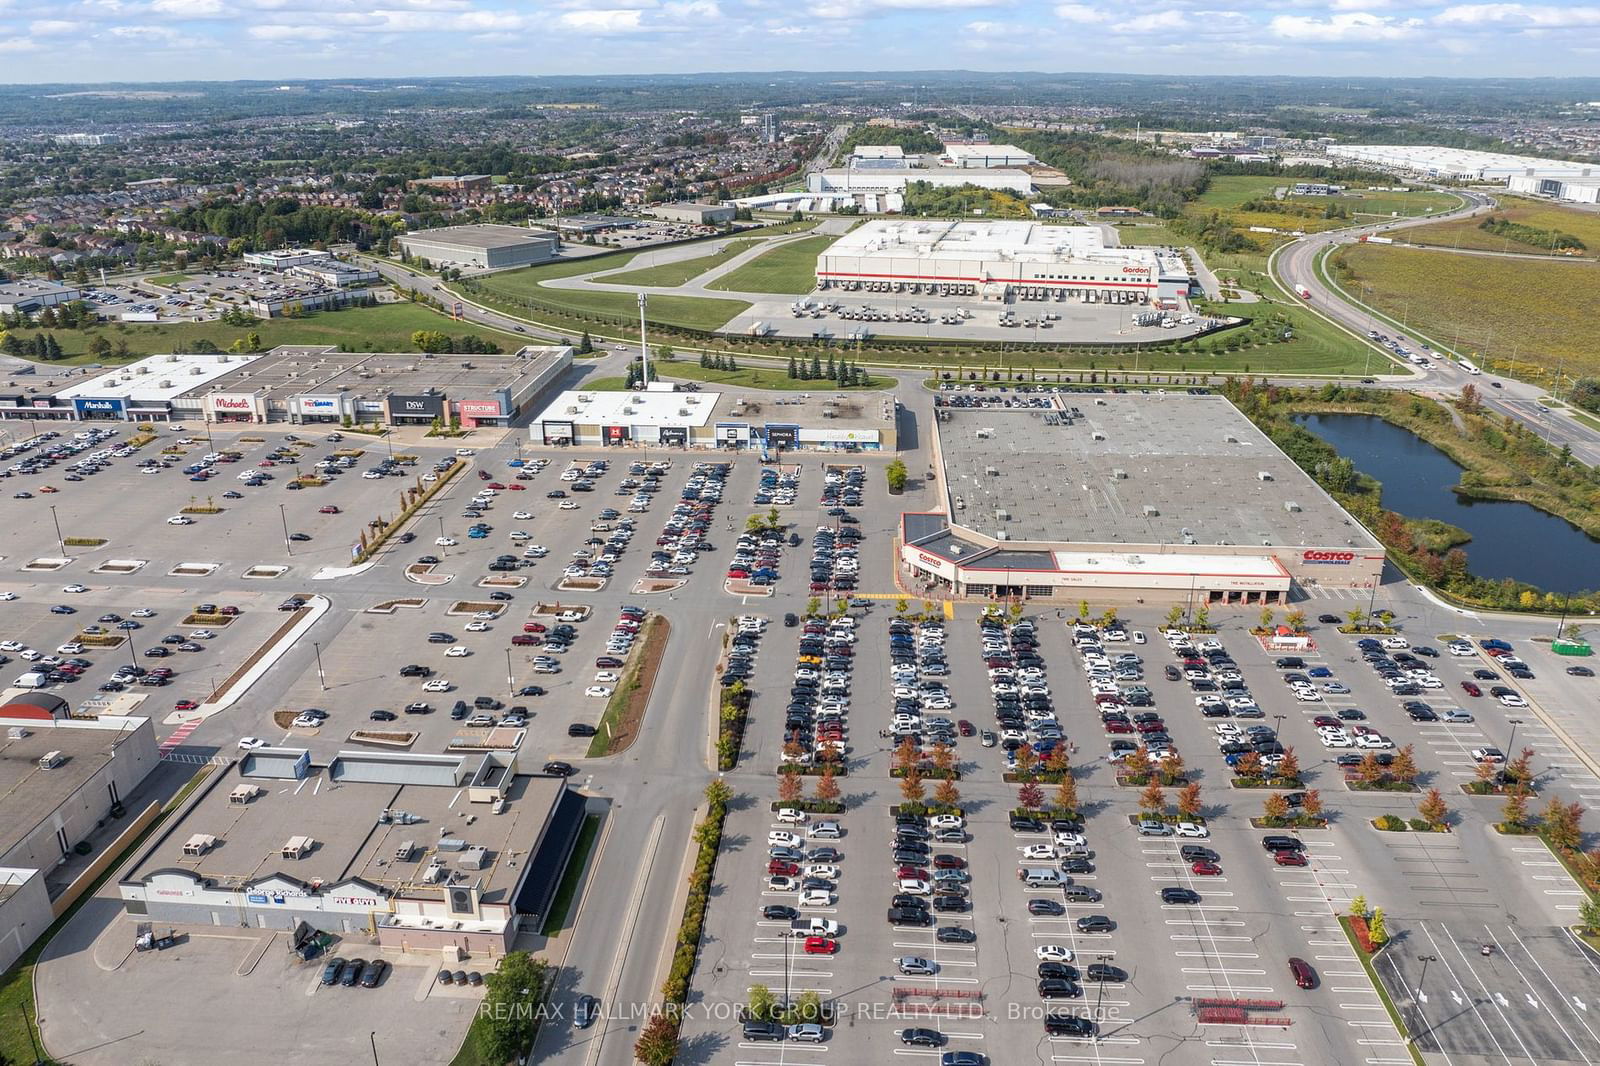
(18, 44)
(1081, 13)
(619, 20)
(188, 9)
(1528, 16)
(1355, 27)
(277, 32)
(54, 27)
(850, 9)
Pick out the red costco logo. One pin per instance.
(1339, 558)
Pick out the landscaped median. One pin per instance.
(418, 501)
(619, 725)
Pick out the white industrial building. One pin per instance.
(484, 246)
(1001, 260)
(1577, 191)
(877, 182)
(987, 156)
(879, 157)
(1458, 164)
(284, 258)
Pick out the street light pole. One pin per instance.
(61, 541)
(1424, 959)
(321, 678)
(511, 681)
(644, 346)
(288, 546)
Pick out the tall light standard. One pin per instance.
(61, 541)
(288, 546)
(644, 347)
(321, 677)
(511, 681)
(1424, 959)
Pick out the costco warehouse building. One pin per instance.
(1167, 495)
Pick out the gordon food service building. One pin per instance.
(1168, 495)
(824, 421)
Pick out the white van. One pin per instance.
(1040, 877)
(32, 680)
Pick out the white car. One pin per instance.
(251, 743)
(436, 684)
(522, 516)
(144, 612)
(518, 534)
(1376, 741)
(1395, 643)
(823, 870)
(457, 651)
(1490, 755)
(1455, 714)
(1308, 695)
(8, 596)
(303, 722)
(75, 588)
(782, 838)
(780, 883)
(30, 655)
(537, 551)
(445, 542)
(598, 691)
(180, 520)
(430, 478)
(1194, 830)
(568, 505)
(202, 634)
(71, 647)
(791, 816)
(1459, 648)
(475, 627)
(816, 897)
(485, 614)
(1039, 851)
(1511, 699)
(607, 677)
(11, 645)
(1053, 953)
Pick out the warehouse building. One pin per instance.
(31, 296)
(1458, 164)
(873, 181)
(61, 779)
(822, 421)
(878, 157)
(1000, 261)
(987, 156)
(436, 853)
(484, 247)
(1572, 190)
(1170, 496)
(693, 214)
(284, 258)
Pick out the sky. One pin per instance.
(170, 40)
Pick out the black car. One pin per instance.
(1330, 619)
(1067, 1025)
(332, 970)
(1100, 971)
(352, 972)
(1077, 865)
(1023, 824)
(580, 729)
(954, 934)
(1045, 907)
(951, 904)
(777, 912)
(1055, 988)
(1058, 971)
(559, 769)
(1095, 923)
(374, 973)
(1174, 894)
(382, 716)
(922, 1037)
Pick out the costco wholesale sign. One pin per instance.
(1328, 558)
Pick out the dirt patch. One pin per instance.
(103, 640)
(474, 606)
(503, 582)
(195, 618)
(625, 713)
(558, 607)
(744, 588)
(647, 585)
(582, 584)
(266, 645)
(284, 719)
(387, 740)
(390, 606)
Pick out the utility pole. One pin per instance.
(322, 679)
(644, 346)
(61, 541)
(283, 517)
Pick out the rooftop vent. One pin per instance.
(16, 732)
(1097, 435)
(1151, 510)
(1231, 439)
(1263, 475)
(1291, 506)
(1119, 474)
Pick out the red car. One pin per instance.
(1119, 727)
(185, 705)
(1157, 726)
(329, 509)
(517, 488)
(483, 475)
(820, 945)
(1289, 858)
(1205, 868)
(1327, 720)
(496, 486)
(911, 873)
(1471, 688)
(949, 862)
(965, 728)
(532, 627)
(779, 868)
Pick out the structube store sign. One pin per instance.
(424, 407)
(479, 408)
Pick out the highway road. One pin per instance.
(1294, 265)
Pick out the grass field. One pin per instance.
(1227, 194)
(1464, 232)
(1498, 309)
(668, 275)
(1148, 235)
(386, 328)
(526, 282)
(167, 279)
(789, 269)
(778, 380)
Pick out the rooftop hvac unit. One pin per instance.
(572, 410)
(1119, 474)
(142, 370)
(1263, 475)
(991, 471)
(1097, 435)
(452, 844)
(296, 847)
(474, 858)
(404, 850)
(1291, 506)
(683, 412)
(164, 383)
(243, 794)
(1151, 510)
(199, 844)
(16, 732)
(434, 873)
(1002, 515)
(50, 760)
(1002, 535)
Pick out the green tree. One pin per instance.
(1378, 928)
(718, 793)
(1358, 906)
(1174, 615)
(508, 1013)
(1589, 915)
(792, 372)
(896, 475)
(430, 340)
(1267, 614)
(762, 1002)
(100, 348)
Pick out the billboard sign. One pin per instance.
(423, 406)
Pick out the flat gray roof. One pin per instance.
(28, 794)
(483, 236)
(1090, 474)
(824, 407)
(295, 370)
(350, 841)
